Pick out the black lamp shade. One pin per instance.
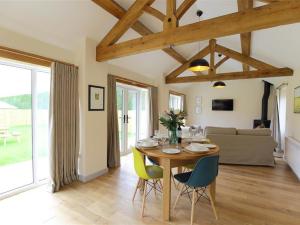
(199, 65)
(219, 84)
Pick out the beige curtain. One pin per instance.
(153, 118)
(64, 129)
(184, 104)
(113, 148)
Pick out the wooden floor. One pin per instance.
(245, 196)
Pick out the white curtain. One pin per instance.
(275, 124)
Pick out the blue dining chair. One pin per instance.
(196, 181)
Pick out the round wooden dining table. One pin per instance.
(169, 161)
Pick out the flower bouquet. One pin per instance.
(172, 120)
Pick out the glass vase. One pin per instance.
(173, 139)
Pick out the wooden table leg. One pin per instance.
(212, 190)
(166, 163)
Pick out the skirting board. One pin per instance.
(292, 155)
(92, 176)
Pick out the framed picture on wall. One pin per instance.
(297, 100)
(198, 105)
(96, 98)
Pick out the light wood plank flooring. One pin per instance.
(245, 196)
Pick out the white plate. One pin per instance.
(198, 148)
(209, 145)
(171, 151)
(147, 145)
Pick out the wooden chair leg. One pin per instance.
(161, 186)
(154, 186)
(144, 197)
(136, 188)
(213, 205)
(178, 196)
(193, 206)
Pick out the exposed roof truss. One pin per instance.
(276, 13)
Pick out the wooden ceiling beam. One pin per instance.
(267, 16)
(183, 8)
(277, 72)
(274, 1)
(204, 52)
(170, 19)
(116, 10)
(257, 64)
(221, 62)
(212, 50)
(130, 17)
(154, 12)
(244, 5)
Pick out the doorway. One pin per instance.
(24, 108)
(133, 115)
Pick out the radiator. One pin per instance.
(292, 154)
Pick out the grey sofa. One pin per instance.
(243, 146)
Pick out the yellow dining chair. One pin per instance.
(148, 176)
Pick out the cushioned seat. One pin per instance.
(155, 172)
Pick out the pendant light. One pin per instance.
(219, 84)
(199, 65)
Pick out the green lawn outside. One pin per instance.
(14, 151)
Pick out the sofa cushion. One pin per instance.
(254, 132)
(220, 130)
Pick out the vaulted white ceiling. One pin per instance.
(66, 22)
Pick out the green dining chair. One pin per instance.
(149, 176)
(203, 175)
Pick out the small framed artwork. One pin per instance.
(198, 110)
(96, 98)
(198, 100)
(297, 100)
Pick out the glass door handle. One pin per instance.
(127, 119)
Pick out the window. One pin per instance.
(24, 108)
(176, 101)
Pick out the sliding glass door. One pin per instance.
(133, 115)
(24, 104)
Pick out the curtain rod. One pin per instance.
(28, 57)
(131, 82)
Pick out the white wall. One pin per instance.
(18, 41)
(93, 136)
(93, 155)
(247, 95)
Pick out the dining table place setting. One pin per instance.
(147, 143)
(198, 147)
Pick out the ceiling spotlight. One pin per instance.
(199, 13)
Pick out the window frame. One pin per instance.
(34, 69)
(178, 94)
